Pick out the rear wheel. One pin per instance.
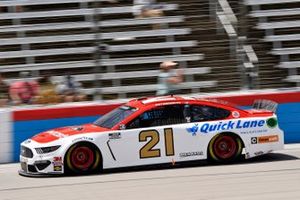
(82, 158)
(225, 148)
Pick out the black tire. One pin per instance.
(82, 158)
(225, 148)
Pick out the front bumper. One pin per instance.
(34, 164)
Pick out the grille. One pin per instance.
(31, 168)
(26, 152)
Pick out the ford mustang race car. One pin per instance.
(155, 130)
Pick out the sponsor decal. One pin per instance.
(254, 140)
(56, 134)
(113, 136)
(83, 138)
(188, 154)
(57, 168)
(267, 139)
(272, 122)
(57, 161)
(193, 130)
(254, 131)
(235, 114)
(167, 103)
(264, 139)
(224, 126)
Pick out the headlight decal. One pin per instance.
(44, 150)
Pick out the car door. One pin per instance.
(149, 138)
(167, 134)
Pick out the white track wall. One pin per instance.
(6, 137)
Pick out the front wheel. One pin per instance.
(82, 159)
(225, 148)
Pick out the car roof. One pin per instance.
(174, 99)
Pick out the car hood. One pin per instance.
(58, 133)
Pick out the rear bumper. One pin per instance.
(264, 144)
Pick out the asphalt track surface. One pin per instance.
(273, 176)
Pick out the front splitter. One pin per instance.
(38, 175)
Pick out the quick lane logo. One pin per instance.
(193, 130)
(223, 126)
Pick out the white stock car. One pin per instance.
(151, 131)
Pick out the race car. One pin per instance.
(156, 130)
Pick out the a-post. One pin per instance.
(98, 52)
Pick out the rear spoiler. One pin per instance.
(264, 104)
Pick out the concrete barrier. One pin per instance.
(6, 136)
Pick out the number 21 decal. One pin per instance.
(148, 151)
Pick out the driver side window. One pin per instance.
(206, 113)
(160, 116)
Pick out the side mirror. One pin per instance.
(122, 127)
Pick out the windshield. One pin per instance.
(115, 116)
